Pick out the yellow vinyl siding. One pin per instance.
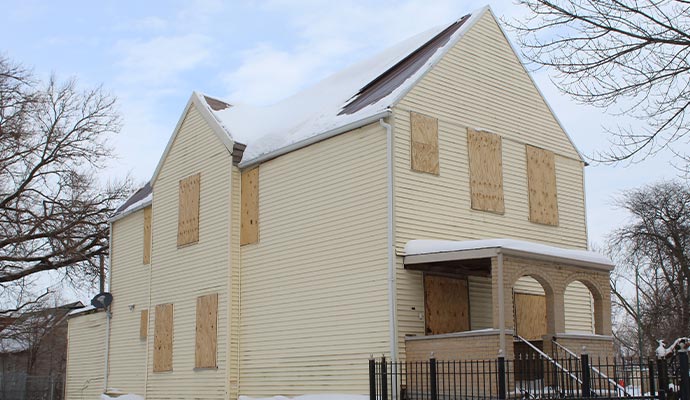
(180, 275)
(233, 333)
(579, 309)
(478, 84)
(481, 308)
(85, 356)
(129, 285)
(314, 288)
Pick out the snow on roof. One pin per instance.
(81, 310)
(355, 95)
(420, 247)
(140, 199)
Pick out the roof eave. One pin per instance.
(206, 113)
(488, 252)
(130, 211)
(314, 139)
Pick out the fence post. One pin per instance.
(372, 378)
(652, 385)
(586, 388)
(501, 377)
(432, 378)
(663, 377)
(384, 378)
(684, 378)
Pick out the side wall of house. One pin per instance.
(85, 356)
(480, 83)
(314, 288)
(129, 284)
(181, 274)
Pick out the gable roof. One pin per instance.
(354, 97)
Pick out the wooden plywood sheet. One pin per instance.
(144, 324)
(541, 183)
(249, 229)
(424, 143)
(188, 212)
(163, 338)
(486, 170)
(446, 303)
(530, 315)
(147, 235)
(206, 331)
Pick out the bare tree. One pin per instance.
(655, 248)
(53, 141)
(630, 56)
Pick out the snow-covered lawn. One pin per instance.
(312, 397)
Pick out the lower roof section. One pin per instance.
(438, 251)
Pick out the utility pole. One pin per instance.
(102, 274)
(637, 318)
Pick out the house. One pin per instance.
(33, 351)
(425, 200)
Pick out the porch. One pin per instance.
(511, 298)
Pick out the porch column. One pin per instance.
(498, 289)
(555, 312)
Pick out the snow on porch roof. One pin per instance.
(419, 251)
(354, 97)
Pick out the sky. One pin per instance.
(153, 54)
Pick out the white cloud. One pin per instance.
(160, 60)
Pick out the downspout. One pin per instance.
(501, 307)
(108, 315)
(391, 251)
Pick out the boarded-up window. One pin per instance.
(147, 235)
(486, 170)
(446, 305)
(541, 183)
(144, 324)
(206, 331)
(424, 143)
(249, 232)
(188, 212)
(530, 315)
(163, 339)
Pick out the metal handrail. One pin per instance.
(593, 368)
(549, 359)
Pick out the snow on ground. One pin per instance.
(128, 396)
(312, 397)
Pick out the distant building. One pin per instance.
(33, 352)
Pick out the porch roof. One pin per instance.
(434, 251)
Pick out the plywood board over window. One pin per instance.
(188, 212)
(147, 235)
(446, 304)
(530, 315)
(541, 183)
(206, 331)
(144, 324)
(163, 338)
(486, 170)
(424, 143)
(249, 221)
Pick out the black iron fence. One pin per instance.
(537, 377)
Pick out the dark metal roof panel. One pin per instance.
(137, 196)
(387, 82)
